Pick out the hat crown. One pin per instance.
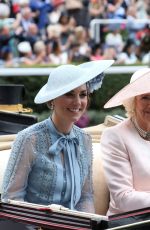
(11, 94)
(138, 74)
(64, 75)
(24, 47)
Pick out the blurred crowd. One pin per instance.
(53, 32)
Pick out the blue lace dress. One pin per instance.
(48, 167)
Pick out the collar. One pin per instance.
(61, 141)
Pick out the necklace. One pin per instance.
(144, 134)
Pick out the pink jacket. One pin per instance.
(126, 159)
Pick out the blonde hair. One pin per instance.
(24, 2)
(129, 106)
(39, 46)
(54, 31)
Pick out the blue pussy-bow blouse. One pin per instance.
(47, 167)
(69, 146)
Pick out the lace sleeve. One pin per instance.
(18, 168)
(86, 202)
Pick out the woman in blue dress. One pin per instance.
(51, 161)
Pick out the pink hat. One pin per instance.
(139, 84)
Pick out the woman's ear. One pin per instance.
(50, 105)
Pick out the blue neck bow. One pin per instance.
(69, 146)
(61, 144)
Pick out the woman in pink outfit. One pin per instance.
(126, 147)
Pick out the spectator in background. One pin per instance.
(53, 32)
(109, 53)
(59, 7)
(4, 11)
(64, 26)
(114, 38)
(33, 34)
(75, 55)
(53, 36)
(97, 9)
(26, 56)
(6, 37)
(81, 36)
(74, 9)
(42, 8)
(132, 26)
(7, 58)
(74, 41)
(145, 48)
(146, 58)
(57, 56)
(128, 54)
(79, 10)
(142, 9)
(96, 52)
(24, 20)
(32, 57)
(116, 9)
(67, 28)
(143, 38)
(40, 57)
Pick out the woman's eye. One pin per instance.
(69, 94)
(83, 95)
(146, 98)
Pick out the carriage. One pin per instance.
(21, 215)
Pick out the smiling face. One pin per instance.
(142, 111)
(69, 108)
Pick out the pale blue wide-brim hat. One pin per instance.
(67, 77)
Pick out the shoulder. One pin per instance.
(117, 130)
(33, 130)
(81, 133)
(36, 137)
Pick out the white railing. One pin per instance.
(18, 72)
(95, 25)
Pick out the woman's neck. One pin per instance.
(144, 134)
(61, 125)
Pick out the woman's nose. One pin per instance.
(77, 100)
